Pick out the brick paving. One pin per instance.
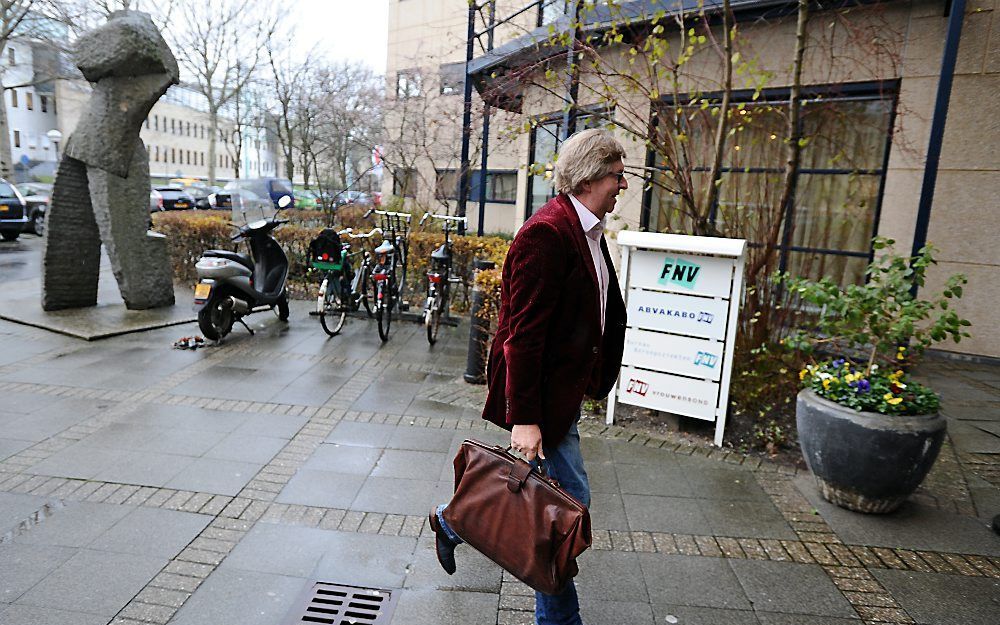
(849, 566)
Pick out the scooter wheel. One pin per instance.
(215, 320)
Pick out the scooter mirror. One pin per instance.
(284, 201)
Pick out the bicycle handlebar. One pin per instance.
(464, 220)
(346, 231)
(406, 216)
(369, 234)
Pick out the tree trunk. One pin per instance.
(6, 157)
(213, 133)
(715, 177)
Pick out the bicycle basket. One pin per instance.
(325, 251)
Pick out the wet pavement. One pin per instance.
(143, 484)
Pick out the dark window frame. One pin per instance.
(873, 90)
(452, 78)
(450, 192)
(408, 188)
(597, 112)
(413, 88)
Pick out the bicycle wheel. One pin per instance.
(363, 292)
(334, 312)
(432, 318)
(383, 308)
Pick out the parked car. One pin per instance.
(38, 197)
(272, 188)
(197, 189)
(155, 201)
(175, 198)
(306, 200)
(241, 201)
(352, 197)
(13, 211)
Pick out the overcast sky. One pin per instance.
(344, 29)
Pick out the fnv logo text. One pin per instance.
(638, 387)
(679, 272)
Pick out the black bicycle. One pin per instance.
(343, 289)
(439, 278)
(390, 261)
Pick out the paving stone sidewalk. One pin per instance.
(141, 484)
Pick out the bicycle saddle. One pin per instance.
(384, 248)
(242, 259)
(441, 253)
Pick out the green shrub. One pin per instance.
(190, 233)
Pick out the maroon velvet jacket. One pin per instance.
(548, 351)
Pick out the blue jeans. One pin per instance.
(564, 463)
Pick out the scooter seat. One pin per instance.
(242, 259)
(384, 248)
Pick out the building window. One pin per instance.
(45, 107)
(17, 138)
(13, 98)
(11, 55)
(544, 146)
(173, 130)
(156, 122)
(29, 100)
(408, 83)
(501, 186)
(156, 153)
(452, 78)
(551, 10)
(147, 123)
(187, 129)
(404, 182)
(837, 191)
(173, 155)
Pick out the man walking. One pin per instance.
(561, 332)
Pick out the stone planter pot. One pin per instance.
(864, 461)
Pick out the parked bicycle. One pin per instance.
(439, 278)
(389, 272)
(342, 289)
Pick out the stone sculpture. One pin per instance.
(101, 191)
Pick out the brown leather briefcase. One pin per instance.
(517, 517)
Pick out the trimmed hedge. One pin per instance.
(189, 233)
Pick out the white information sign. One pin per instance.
(697, 358)
(682, 294)
(681, 273)
(669, 393)
(681, 314)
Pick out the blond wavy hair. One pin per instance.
(587, 155)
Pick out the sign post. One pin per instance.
(683, 295)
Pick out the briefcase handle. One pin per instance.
(522, 469)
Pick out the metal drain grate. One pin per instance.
(337, 604)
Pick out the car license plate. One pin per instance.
(4, 208)
(181, 205)
(202, 290)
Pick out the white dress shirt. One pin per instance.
(593, 229)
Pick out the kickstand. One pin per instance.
(246, 326)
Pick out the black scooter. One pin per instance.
(232, 285)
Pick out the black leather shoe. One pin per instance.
(443, 545)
